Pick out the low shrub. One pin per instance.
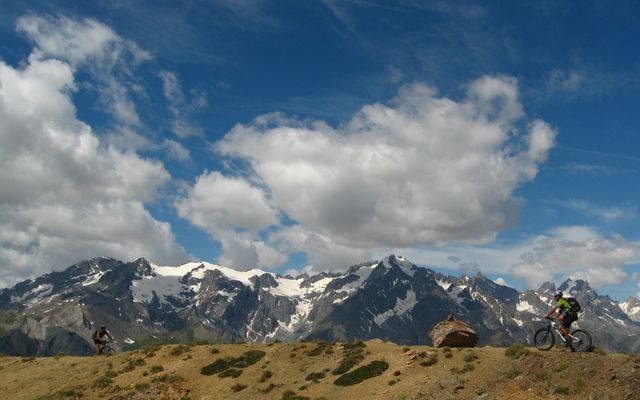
(291, 395)
(141, 387)
(266, 375)
(179, 350)
(514, 373)
(561, 367)
(429, 360)
(168, 378)
(375, 368)
(102, 382)
(466, 368)
(222, 364)
(230, 373)
(470, 357)
(352, 355)
(156, 368)
(516, 351)
(238, 387)
(315, 376)
(269, 388)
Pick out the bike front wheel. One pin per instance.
(109, 351)
(581, 340)
(543, 339)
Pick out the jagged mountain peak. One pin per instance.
(573, 287)
(391, 298)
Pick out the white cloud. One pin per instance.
(244, 251)
(96, 48)
(176, 150)
(567, 82)
(323, 254)
(218, 204)
(64, 195)
(422, 170)
(576, 253)
(562, 252)
(608, 214)
(500, 281)
(180, 108)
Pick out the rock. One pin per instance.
(453, 333)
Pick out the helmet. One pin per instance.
(559, 294)
(103, 327)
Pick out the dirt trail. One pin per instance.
(305, 371)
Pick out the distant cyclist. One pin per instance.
(566, 316)
(98, 338)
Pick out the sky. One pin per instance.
(492, 137)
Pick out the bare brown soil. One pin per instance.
(304, 371)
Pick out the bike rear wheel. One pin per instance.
(544, 339)
(581, 340)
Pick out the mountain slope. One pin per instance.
(391, 299)
(287, 370)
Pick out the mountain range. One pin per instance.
(391, 299)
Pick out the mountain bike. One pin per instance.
(544, 339)
(107, 350)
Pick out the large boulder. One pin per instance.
(453, 333)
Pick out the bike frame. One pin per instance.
(554, 326)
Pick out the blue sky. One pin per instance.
(499, 137)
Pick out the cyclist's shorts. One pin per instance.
(569, 319)
(97, 341)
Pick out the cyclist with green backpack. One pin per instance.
(567, 314)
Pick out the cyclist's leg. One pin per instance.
(563, 326)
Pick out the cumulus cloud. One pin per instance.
(218, 204)
(65, 196)
(181, 108)
(96, 48)
(421, 170)
(578, 253)
(323, 254)
(500, 281)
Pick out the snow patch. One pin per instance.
(402, 307)
(524, 306)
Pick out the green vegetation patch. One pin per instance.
(266, 375)
(371, 370)
(516, 351)
(291, 395)
(141, 387)
(470, 357)
(230, 373)
(180, 349)
(429, 360)
(168, 378)
(238, 387)
(156, 368)
(352, 355)
(232, 363)
(466, 368)
(321, 346)
(315, 376)
(102, 382)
